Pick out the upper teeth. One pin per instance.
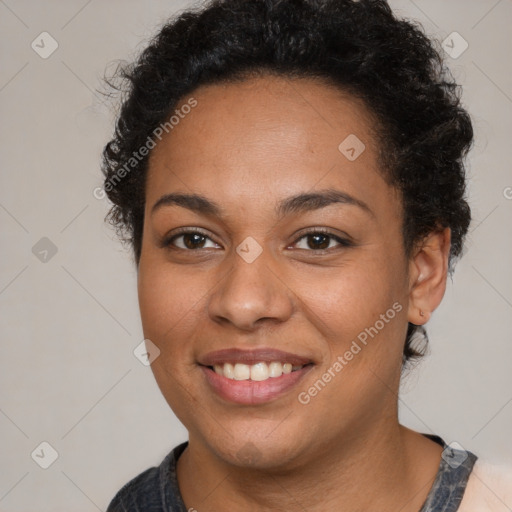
(258, 371)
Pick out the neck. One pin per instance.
(387, 468)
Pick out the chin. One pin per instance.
(258, 451)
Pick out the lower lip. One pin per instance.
(251, 392)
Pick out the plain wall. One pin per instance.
(69, 325)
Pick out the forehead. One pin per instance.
(267, 134)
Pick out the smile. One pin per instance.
(257, 372)
(252, 377)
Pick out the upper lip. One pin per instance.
(250, 357)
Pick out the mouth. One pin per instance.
(253, 377)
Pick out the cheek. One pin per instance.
(359, 310)
(169, 303)
(345, 300)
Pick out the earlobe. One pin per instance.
(428, 271)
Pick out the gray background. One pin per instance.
(69, 324)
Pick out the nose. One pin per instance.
(251, 293)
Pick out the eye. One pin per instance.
(320, 240)
(191, 239)
(313, 241)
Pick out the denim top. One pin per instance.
(156, 489)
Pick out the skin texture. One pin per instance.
(248, 146)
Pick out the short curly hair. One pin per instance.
(361, 47)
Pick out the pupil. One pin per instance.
(322, 245)
(192, 244)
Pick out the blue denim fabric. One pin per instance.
(451, 480)
(156, 489)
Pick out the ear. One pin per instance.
(428, 271)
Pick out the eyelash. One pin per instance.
(343, 242)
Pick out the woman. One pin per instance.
(290, 176)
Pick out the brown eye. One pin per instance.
(320, 241)
(193, 240)
(189, 240)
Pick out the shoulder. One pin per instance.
(142, 491)
(153, 490)
(489, 489)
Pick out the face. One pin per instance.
(268, 247)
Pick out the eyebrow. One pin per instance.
(299, 203)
